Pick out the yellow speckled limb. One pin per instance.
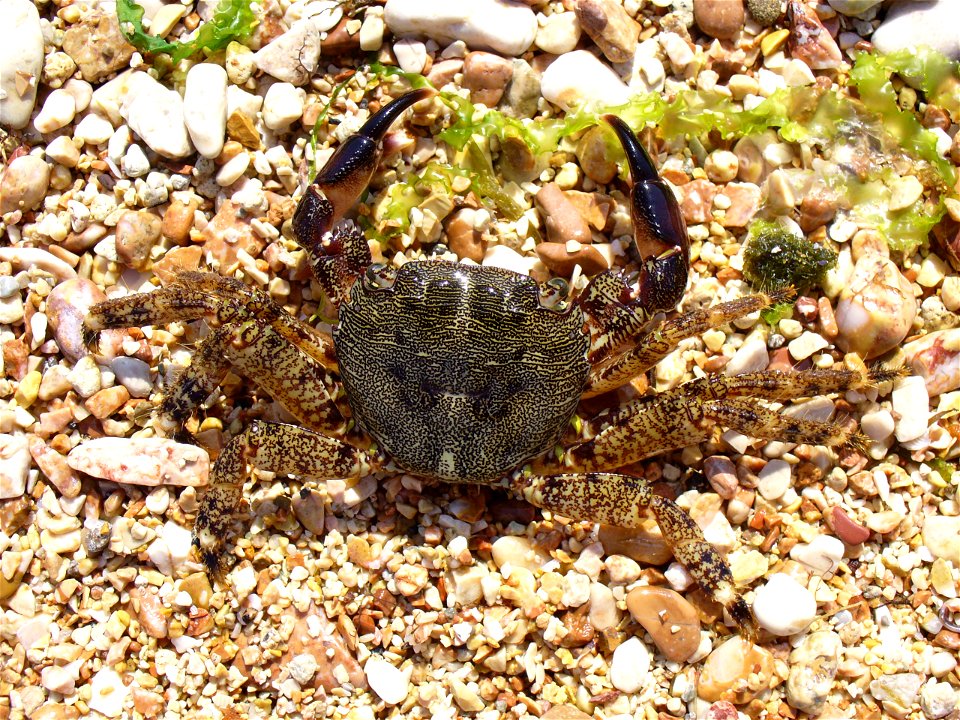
(271, 447)
(651, 347)
(220, 300)
(624, 501)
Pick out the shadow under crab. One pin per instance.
(472, 374)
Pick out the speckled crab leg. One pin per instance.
(612, 371)
(338, 256)
(270, 447)
(624, 501)
(688, 414)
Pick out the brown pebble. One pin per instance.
(177, 260)
(672, 622)
(563, 222)
(722, 475)
(106, 402)
(178, 221)
(610, 27)
(241, 128)
(150, 613)
(67, 305)
(565, 712)
(696, 201)
(486, 76)
(722, 710)
(580, 630)
(137, 232)
(846, 529)
(721, 19)
(736, 671)
(463, 239)
(644, 544)
(561, 262)
(595, 156)
(809, 40)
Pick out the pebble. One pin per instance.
(389, 682)
(752, 356)
(610, 27)
(813, 666)
(508, 28)
(135, 162)
(558, 33)
(56, 469)
(58, 111)
(911, 405)
(846, 529)
(233, 169)
(936, 358)
(563, 221)
(293, 56)
(97, 46)
(205, 107)
(518, 551)
(644, 544)
(822, 555)
(765, 12)
(108, 693)
(722, 20)
(941, 536)
(282, 105)
(736, 671)
(309, 509)
(486, 76)
(783, 606)
(171, 548)
(95, 537)
(106, 402)
(21, 61)
(897, 691)
(579, 78)
(672, 622)
(938, 699)
(150, 613)
(876, 308)
(11, 309)
(93, 129)
(302, 668)
(136, 234)
(24, 184)
(852, 8)
(62, 150)
(809, 40)
(155, 114)
(14, 466)
(630, 666)
(932, 23)
(721, 473)
(774, 479)
(134, 375)
(142, 461)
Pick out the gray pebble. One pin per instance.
(302, 668)
(8, 286)
(813, 666)
(95, 536)
(134, 375)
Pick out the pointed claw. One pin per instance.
(347, 173)
(659, 229)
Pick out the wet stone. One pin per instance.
(736, 671)
(721, 20)
(672, 622)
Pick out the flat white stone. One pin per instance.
(293, 56)
(390, 683)
(57, 111)
(932, 23)
(504, 27)
(783, 606)
(630, 667)
(579, 78)
(21, 61)
(14, 465)
(774, 479)
(205, 107)
(282, 105)
(141, 461)
(912, 404)
(750, 357)
(93, 129)
(822, 555)
(108, 694)
(156, 114)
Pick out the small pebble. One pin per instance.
(518, 551)
(630, 667)
(737, 671)
(813, 666)
(108, 693)
(24, 184)
(292, 57)
(14, 465)
(205, 107)
(821, 555)
(783, 606)
(774, 479)
(672, 622)
(142, 461)
(390, 683)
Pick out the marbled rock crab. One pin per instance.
(472, 374)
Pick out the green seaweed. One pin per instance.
(775, 258)
(232, 20)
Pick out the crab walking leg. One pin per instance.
(613, 371)
(271, 447)
(195, 295)
(623, 500)
(207, 368)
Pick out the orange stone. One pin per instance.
(672, 622)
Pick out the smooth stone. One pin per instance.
(722, 20)
(282, 105)
(293, 56)
(736, 671)
(813, 666)
(752, 356)
(783, 606)
(846, 529)
(643, 545)
(932, 23)
(58, 111)
(507, 28)
(822, 555)
(610, 27)
(21, 61)
(578, 78)
(774, 479)
(722, 475)
(134, 375)
(24, 184)
(937, 700)
(14, 466)
(518, 551)
(630, 666)
(912, 404)
(142, 461)
(941, 536)
(852, 8)
(108, 693)
(558, 33)
(672, 622)
(205, 107)
(136, 234)
(156, 114)
(93, 129)
(936, 358)
(67, 306)
(390, 683)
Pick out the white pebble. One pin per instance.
(411, 55)
(233, 169)
(912, 404)
(57, 111)
(559, 33)
(822, 555)
(108, 694)
(783, 606)
(806, 345)
(21, 57)
(387, 681)
(205, 107)
(751, 357)
(133, 374)
(293, 56)
(134, 162)
(93, 129)
(155, 114)
(774, 479)
(630, 667)
(877, 425)
(14, 465)
(579, 78)
(282, 105)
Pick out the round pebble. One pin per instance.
(134, 375)
(205, 107)
(630, 667)
(390, 683)
(783, 606)
(736, 671)
(24, 184)
(67, 305)
(672, 622)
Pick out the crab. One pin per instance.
(473, 374)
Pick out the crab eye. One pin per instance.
(554, 294)
(379, 276)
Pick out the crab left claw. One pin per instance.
(347, 173)
(659, 230)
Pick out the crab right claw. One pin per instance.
(659, 230)
(347, 173)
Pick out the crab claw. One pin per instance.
(659, 230)
(347, 173)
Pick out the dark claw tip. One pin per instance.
(376, 127)
(638, 160)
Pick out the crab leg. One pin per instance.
(270, 447)
(623, 500)
(687, 415)
(338, 259)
